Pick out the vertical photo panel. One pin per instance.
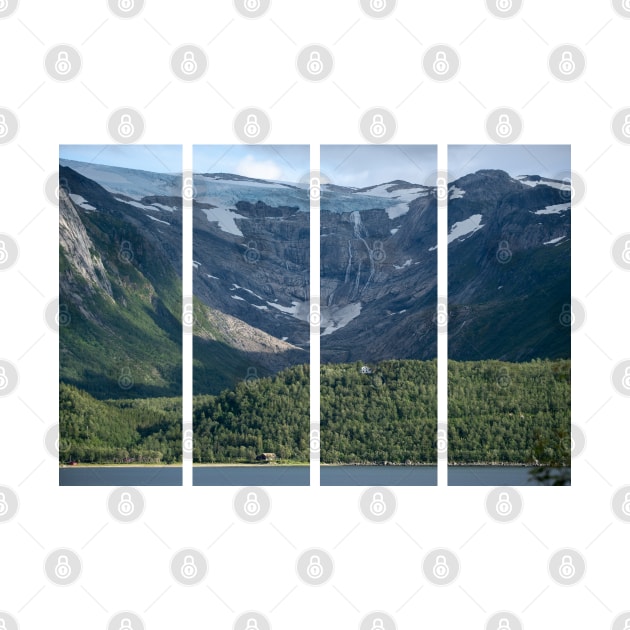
(120, 306)
(251, 213)
(378, 315)
(509, 315)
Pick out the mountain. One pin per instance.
(120, 252)
(509, 267)
(378, 272)
(251, 255)
(119, 293)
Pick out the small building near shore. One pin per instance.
(266, 457)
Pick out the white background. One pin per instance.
(252, 63)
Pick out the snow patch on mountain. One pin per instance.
(236, 286)
(225, 219)
(161, 206)
(456, 193)
(334, 318)
(407, 263)
(398, 210)
(553, 241)
(464, 228)
(81, 202)
(560, 185)
(555, 209)
(158, 220)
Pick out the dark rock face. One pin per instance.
(510, 280)
(509, 272)
(381, 271)
(261, 277)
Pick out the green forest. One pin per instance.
(498, 413)
(139, 431)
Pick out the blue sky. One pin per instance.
(158, 158)
(548, 160)
(284, 162)
(367, 165)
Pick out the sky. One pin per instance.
(282, 162)
(157, 158)
(547, 160)
(371, 164)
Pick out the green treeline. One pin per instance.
(387, 412)
(510, 412)
(264, 415)
(140, 431)
(388, 415)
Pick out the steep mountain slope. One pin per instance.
(378, 272)
(120, 294)
(509, 267)
(251, 253)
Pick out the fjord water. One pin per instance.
(378, 475)
(251, 476)
(491, 476)
(120, 476)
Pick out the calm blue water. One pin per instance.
(378, 475)
(490, 476)
(298, 476)
(106, 476)
(251, 476)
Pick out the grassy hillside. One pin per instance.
(118, 431)
(498, 413)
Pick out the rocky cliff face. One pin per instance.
(508, 270)
(79, 251)
(378, 273)
(251, 253)
(509, 267)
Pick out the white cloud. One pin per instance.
(259, 169)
